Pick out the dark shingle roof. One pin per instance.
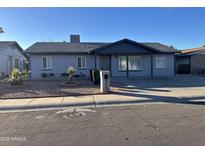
(7, 43)
(160, 47)
(63, 47)
(83, 47)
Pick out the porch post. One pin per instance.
(110, 65)
(95, 61)
(151, 65)
(127, 66)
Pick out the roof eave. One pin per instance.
(45, 53)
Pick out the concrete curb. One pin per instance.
(91, 101)
(27, 107)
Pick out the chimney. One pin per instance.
(75, 38)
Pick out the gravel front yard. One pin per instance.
(49, 88)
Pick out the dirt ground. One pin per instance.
(49, 88)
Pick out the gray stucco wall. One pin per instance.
(169, 70)
(60, 63)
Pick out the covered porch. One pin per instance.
(125, 58)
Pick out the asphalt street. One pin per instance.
(148, 124)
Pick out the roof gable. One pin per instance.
(128, 46)
(9, 43)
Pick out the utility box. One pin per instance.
(105, 81)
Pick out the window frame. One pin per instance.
(139, 69)
(51, 66)
(156, 65)
(120, 65)
(81, 60)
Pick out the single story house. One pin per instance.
(11, 56)
(123, 58)
(191, 61)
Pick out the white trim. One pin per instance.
(81, 62)
(161, 66)
(51, 67)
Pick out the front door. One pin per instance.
(104, 63)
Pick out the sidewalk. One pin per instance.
(91, 100)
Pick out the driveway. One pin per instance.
(177, 89)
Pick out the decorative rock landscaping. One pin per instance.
(48, 88)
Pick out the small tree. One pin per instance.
(71, 71)
(1, 30)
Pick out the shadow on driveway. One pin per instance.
(154, 90)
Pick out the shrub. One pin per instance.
(71, 71)
(51, 75)
(15, 78)
(25, 74)
(76, 75)
(44, 75)
(64, 75)
(15, 74)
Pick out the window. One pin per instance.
(47, 62)
(161, 62)
(81, 62)
(16, 63)
(134, 63)
(122, 63)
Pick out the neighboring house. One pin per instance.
(124, 58)
(11, 56)
(191, 61)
